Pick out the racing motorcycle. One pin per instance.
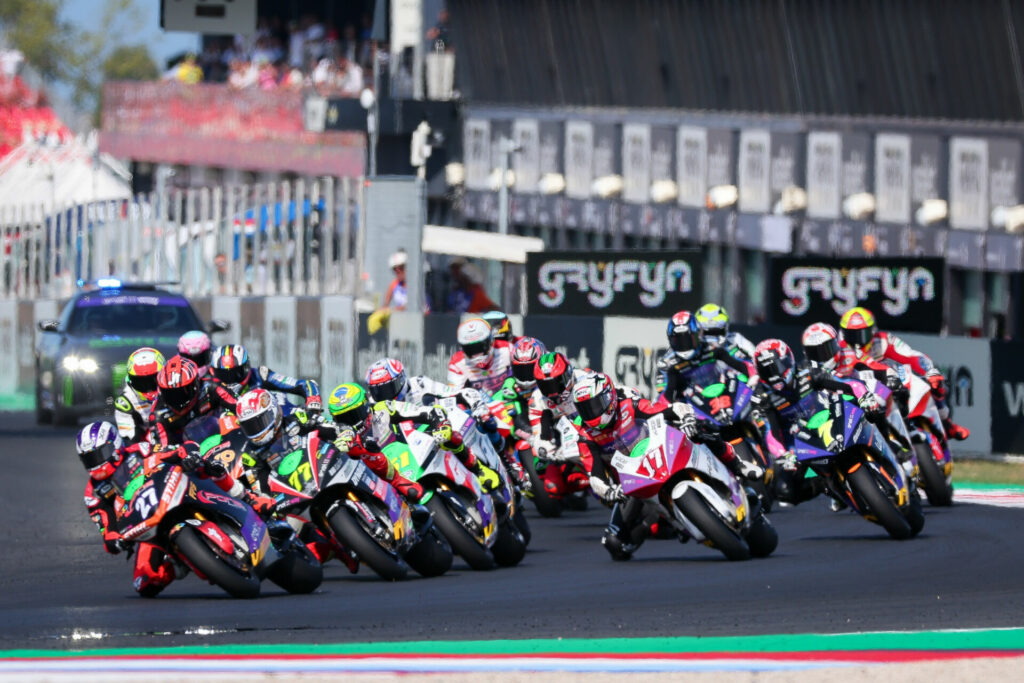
(555, 470)
(838, 443)
(344, 498)
(460, 508)
(683, 482)
(219, 538)
(934, 459)
(513, 529)
(722, 396)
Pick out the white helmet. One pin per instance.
(259, 416)
(476, 340)
(98, 445)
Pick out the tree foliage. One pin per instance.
(80, 58)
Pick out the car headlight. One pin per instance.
(76, 364)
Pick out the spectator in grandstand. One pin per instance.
(296, 46)
(467, 295)
(188, 70)
(349, 79)
(267, 75)
(438, 35)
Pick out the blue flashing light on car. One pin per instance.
(108, 283)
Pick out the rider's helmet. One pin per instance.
(684, 335)
(776, 365)
(554, 376)
(501, 327)
(349, 407)
(99, 448)
(712, 324)
(525, 355)
(476, 340)
(858, 329)
(259, 416)
(821, 346)
(386, 380)
(230, 366)
(195, 345)
(179, 384)
(143, 367)
(595, 400)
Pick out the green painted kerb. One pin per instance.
(992, 639)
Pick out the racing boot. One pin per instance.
(324, 548)
(519, 476)
(724, 451)
(625, 531)
(408, 489)
(154, 571)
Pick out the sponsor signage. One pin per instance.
(279, 334)
(639, 283)
(692, 166)
(754, 165)
(968, 183)
(581, 342)
(636, 162)
(824, 174)
(1007, 398)
(903, 294)
(892, 178)
(579, 158)
(526, 161)
(477, 149)
(632, 347)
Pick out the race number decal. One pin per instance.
(145, 502)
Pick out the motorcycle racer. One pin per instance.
(133, 405)
(689, 350)
(231, 368)
(713, 323)
(182, 398)
(613, 420)
(787, 392)
(555, 378)
(481, 361)
(112, 465)
(365, 431)
(501, 326)
(861, 334)
(195, 345)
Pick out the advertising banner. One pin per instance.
(649, 283)
(965, 249)
(1004, 181)
(1007, 398)
(824, 168)
(968, 183)
(476, 146)
(856, 149)
(692, 165)
(226, 308)
(632, 347)
(754, 166)
(786, 169)
(251, 332)
(636, 162)
(892, 178)
(903, 294)
(307, 338)
(967, 367)
(337, 341)
(526, 161)
(279, 334)
(581, 342)
(579, 158)
(1004, 253)
(405, 340)
(927, 170)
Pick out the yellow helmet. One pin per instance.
(858, 328)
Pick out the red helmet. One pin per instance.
(386, 380)
(553, 373)
(821, 345)
(776, 364)
(179, 384)
(525, 355)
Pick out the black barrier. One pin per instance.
(627, 283)
(1007, 397)
(580, 339)
(904, 294)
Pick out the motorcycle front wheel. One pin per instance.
(463, 543)
(199, 555)
(864, 483)
(298, 571)
(352, 534)
(432, 554)
(696, 509)
(545, 504)
(936, 485)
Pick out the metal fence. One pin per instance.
(301, 237)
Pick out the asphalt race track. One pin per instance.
(831, 573)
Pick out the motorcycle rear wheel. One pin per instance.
(432, 555)
(352, 534)
(546, 505)
(510, 546)
(933, 480)
(192, 547)
(463, 543)
(863, 482)
(765, 492)
(696, 509)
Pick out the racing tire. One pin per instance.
(577, 501)
(936, 485)
(298, 571)
(762, 538)
(352, 535)
(914, 514)
(522, 523)
(765, 492)
(714, 528)
(193, 548)
(462, 542)
(542, 500)
(510, 546)
(862, 481)
(432, 555)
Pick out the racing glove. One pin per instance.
(937, 381)
(263, 505)
(409, 490)
(610, 493)
(893, 382)
(214, 469)
(686, 418)
(545, 449)
(344, 440)
(872, 406)
(442, 433)
(115, 545)
(190, 457)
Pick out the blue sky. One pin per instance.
(87, 14)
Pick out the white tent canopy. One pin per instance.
(441, 239)
(38, 173)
